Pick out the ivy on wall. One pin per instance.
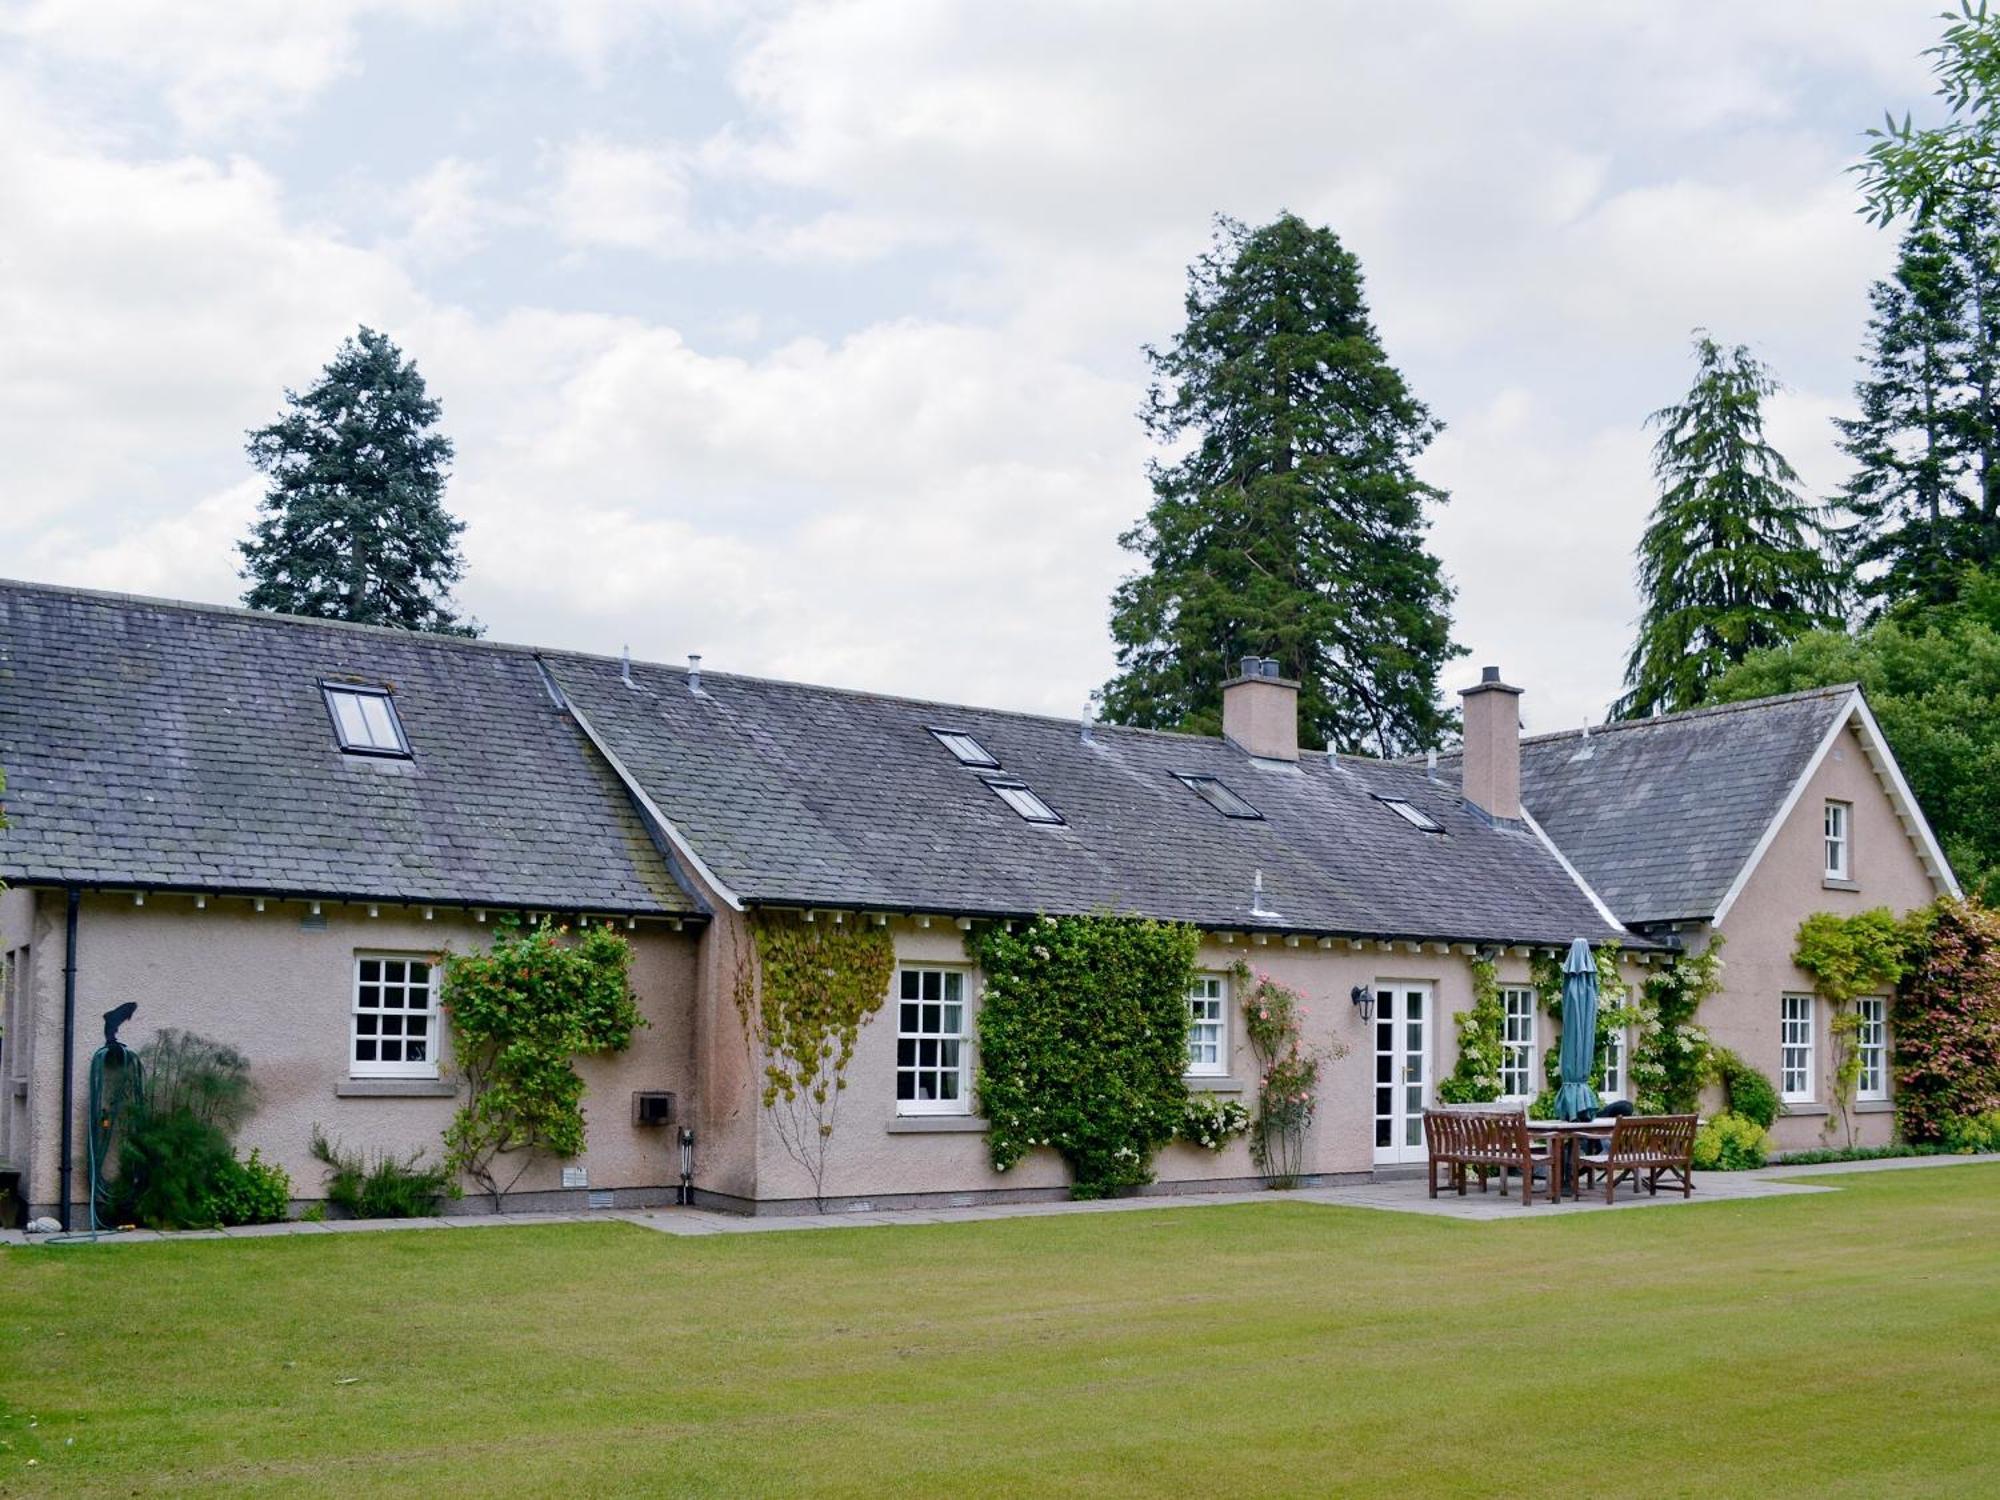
(804, 992)
(1475, 1078)
(521, 1013)
(1848, 957)
(1083, 1027)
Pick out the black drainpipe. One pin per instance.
(69, 1049)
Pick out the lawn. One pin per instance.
(1839, 1344)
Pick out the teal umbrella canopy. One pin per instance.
(1575, 1099)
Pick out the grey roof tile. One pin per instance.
(1661, 814)
(152, 743)
(801, 795)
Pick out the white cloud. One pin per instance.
(622, 197)
(960, 221)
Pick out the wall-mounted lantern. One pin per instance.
(1364, 1002)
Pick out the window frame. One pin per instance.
(401, 750)
(962, 1105)
(1219, 795)
(357, 1067)
(1796, 1011)
(1842, 842)
(1220, 999)
(954, 739)
(1871, 1045)
(1410, 813)
(1616, 1063)
(1512, 1045)
(1042, 815)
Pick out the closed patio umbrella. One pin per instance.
(1575, 1099)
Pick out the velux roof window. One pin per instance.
(968, 750)
(1414, 816)
(1021, 797)
(1211, 790)
(364, 720)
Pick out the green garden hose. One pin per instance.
(109, 1100)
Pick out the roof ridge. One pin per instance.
(1713, 710)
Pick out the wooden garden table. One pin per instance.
(1562, 1136)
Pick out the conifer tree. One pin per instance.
(353, 524)
(1294, 526)
(1906, 441)
(1734, 557)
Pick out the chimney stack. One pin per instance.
(1260, 711)
(1493, 746)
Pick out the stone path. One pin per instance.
(1405, 1195)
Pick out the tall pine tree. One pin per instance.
(1734, 557)
(1906, 441)
(353, 525)
(1294, 526)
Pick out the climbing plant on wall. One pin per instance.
(1947, 1021)
(521, 1014)
(1614, 1012)
(1848, 957)
(1083, 1025)
(1288, 1070)
(1670, 1053)
(804, 991)
(1475, 1079)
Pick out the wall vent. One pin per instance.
(652, 1107)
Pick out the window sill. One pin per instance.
(1212, 1083)
(937, 1125)
(1874, 1106)
(1831, 884)
(396, 1088)
(1801, 1107)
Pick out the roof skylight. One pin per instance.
(1211, 790)
(968, 750)
(364, 720)
(1414, 816)
(1019, 796)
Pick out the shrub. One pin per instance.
(1947, 1020)
(174, 1157)
(1730, 1143)
(1747, 1092)
(1212, 1123)
(252, 1191)
(377, 1185)
(1083, 1025)
(170, 1166)
(1972, 1133)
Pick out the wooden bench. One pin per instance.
(1645, 1148)
(1460, 1139)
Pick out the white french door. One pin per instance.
(1402, 1069)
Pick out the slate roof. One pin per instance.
(151, 743)
(810, 796)
(1663, 813)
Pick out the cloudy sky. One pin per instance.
(808, 337)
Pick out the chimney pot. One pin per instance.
(1253, 666)
(1492, 758)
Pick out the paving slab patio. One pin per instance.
(1401, 1195)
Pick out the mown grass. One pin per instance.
(1840, 1344)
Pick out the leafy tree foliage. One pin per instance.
(1916, 171)
(1734, 557)
(1294, 525)
(353, 525)
(1932, 675)
(521, 1014)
